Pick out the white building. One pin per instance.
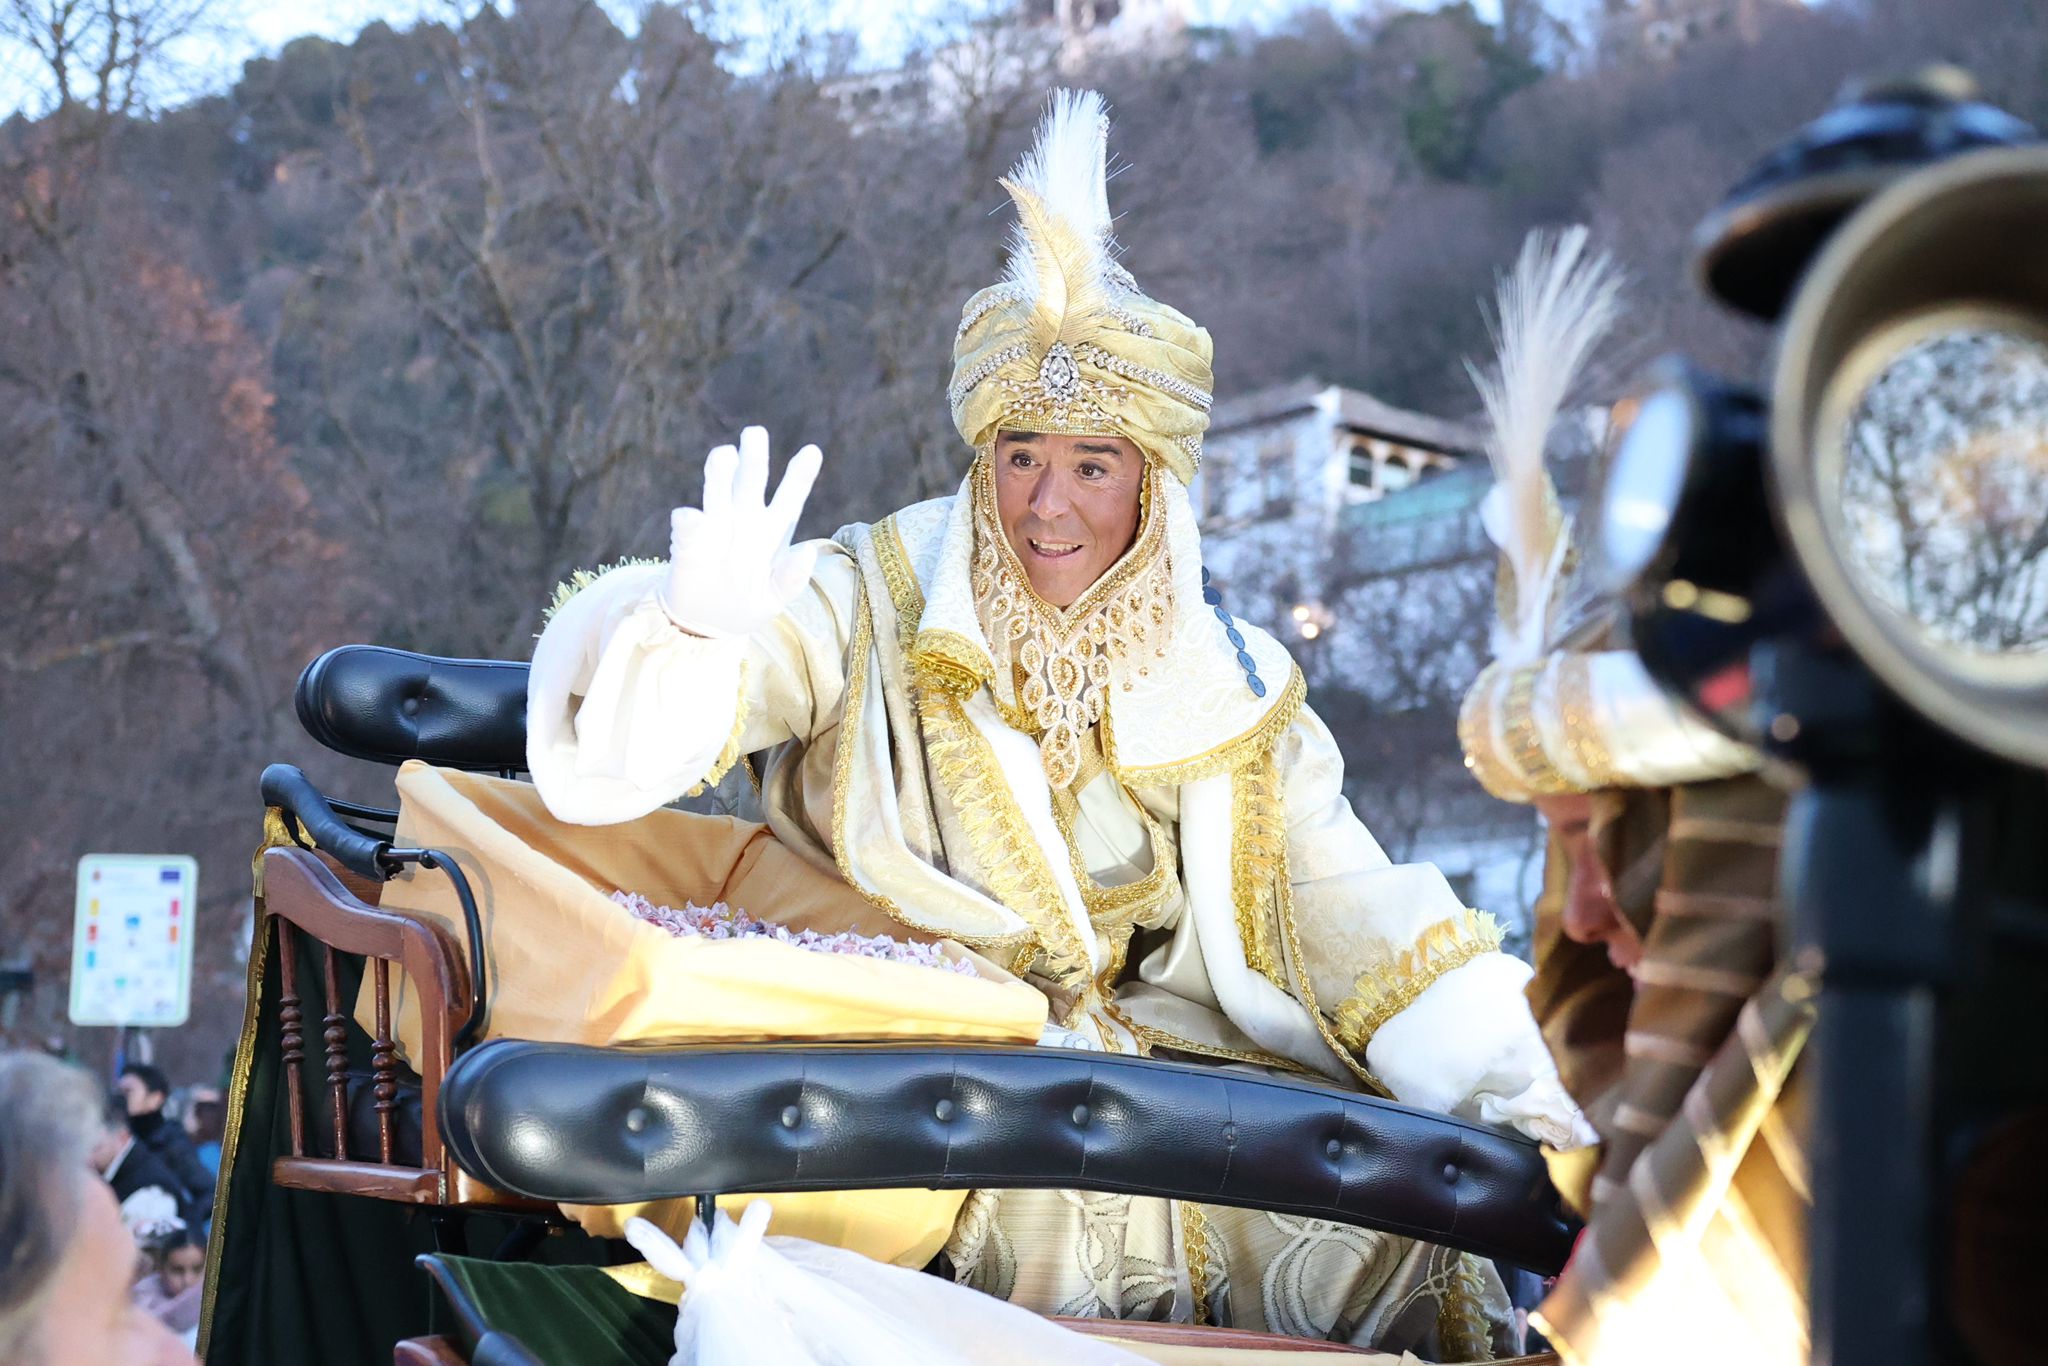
(1032, 43)
(1350, 528)
(1280, 467)
(1661, 27)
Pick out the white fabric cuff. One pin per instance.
(1469, 1046)
(624, 711)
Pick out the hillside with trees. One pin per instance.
(387, 337)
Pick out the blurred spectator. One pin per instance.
(170, 1292)
(205, 1120)
(134, 1172)
(64, 1253)
(146, 1088)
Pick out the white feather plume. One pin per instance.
(1061, 249)
(1068, 166)
(1552, 310)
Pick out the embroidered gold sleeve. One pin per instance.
(1399, 975)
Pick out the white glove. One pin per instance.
(1468, 1046)
(731, 567)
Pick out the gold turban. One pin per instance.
(1586, 721)
(1067, 342)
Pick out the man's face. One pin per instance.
(108, 1146)
(1069, 505)
(141, 1100)
(89, 1316)
(1591, 914)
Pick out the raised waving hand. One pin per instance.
(731, 567)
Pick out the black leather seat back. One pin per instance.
(373, 702)
(360, 1103)
(612, 1126)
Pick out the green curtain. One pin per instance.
(564, 1315)
(314, 1279)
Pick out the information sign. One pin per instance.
(131, 942)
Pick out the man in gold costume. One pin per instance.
(1021, 719)
(1658, 984)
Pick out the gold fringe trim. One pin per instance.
(583, 578)
(277, 834)
(950, 656)
(1093, 765)
(1016, 868)
(898, 576)
(1113, 908)
(1475, 737)
(842, 781)
(1015, 717)
(1269, 811)
(1194, 1231)
(1258, 863)
(950, 661)
(1224, 758)
(1154, 1037)
(1385, 990)
(1461, 1315)
(730, 754)
(1098, 996)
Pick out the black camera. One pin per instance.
(1848, 567)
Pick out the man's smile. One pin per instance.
(1053, 550)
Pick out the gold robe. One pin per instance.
(1279, 934)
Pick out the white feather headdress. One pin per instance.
(1066, 341)
(1547, 717)
(1060, 251)
(1552, 310)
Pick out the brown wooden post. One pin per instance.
(293, 1037)
(336, 1034)
(384, 1061)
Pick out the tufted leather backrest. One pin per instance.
(374, 702)
(610, 1126)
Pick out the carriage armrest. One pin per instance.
(586, 1125)
(374, 702)
(366, 855)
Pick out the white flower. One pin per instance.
(151, 1212)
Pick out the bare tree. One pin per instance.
(591, 230)
(161, 563)
(96, 60)
(1940, 501)
(508, 276)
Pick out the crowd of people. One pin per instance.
(105, 1202)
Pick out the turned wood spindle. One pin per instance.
(384, 1062)
(290, 1019)
(336, 1035)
